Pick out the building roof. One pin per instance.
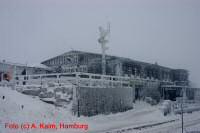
(36, 65)
(117, 57)
(12, 63)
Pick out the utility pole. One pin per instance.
(182, 102)
(182, 115)
(78, 95)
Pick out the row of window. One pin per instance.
(75, 69)
(63, 60)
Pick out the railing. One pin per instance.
(81, 79)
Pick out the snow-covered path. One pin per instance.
(191, 123)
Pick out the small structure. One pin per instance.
(171, 92)
(9, 69)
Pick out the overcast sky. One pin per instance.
(162, 31)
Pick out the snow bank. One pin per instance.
(36, 111)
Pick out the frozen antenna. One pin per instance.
(102, 40)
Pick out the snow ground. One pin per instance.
(191, 123)
(36, 111)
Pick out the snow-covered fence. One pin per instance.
(95, 100)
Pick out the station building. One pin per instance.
(80, 61)
(146, 76)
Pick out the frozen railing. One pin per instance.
(77, 78)
(84, 79)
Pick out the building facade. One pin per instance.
(79, 61)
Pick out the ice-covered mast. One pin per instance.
(103, 40)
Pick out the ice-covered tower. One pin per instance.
(103, 40)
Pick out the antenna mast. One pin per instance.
(103, 40)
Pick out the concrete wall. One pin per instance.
(93, 101)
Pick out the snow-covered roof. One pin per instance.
(38, 65)
(12, 63)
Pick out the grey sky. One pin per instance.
(163, 31)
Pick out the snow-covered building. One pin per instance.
(79, 61)
(8, 69)
(149, 76)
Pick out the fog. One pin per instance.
(162, 31)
